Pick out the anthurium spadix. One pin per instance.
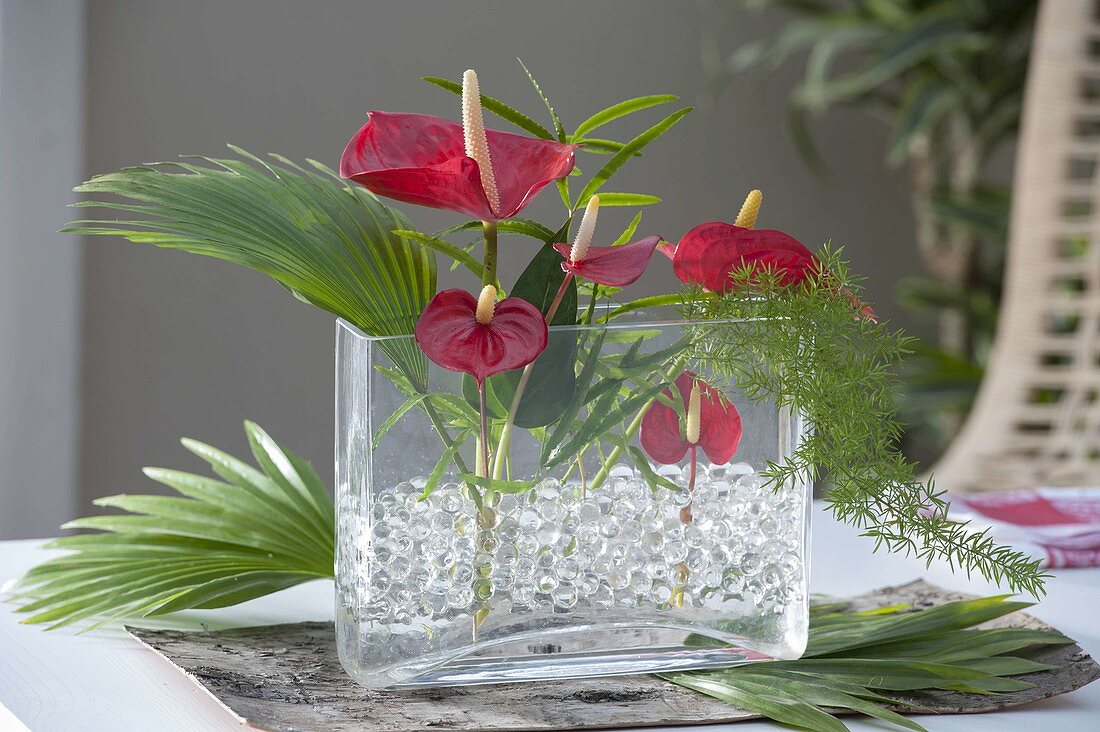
(615, 266)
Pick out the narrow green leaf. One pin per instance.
(500, 486)
(394, 417)
(618, 159)
(629, 231)
(600, 146)
(497, 107)
(439, 471)
(774, 704)
(461, 256)
(652, 479)
(546, 102)
(615, 111)
(627, 199)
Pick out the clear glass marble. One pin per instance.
(604, 563)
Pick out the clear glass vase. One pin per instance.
(592, 559)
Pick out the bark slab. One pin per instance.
(288, 677)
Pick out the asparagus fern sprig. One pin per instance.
(804, 347)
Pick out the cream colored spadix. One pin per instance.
(695, 405)
(585, 231)
(473, 128)
(750, 209)
(486, 304)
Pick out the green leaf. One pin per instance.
(461, 256)
(886, 673)
(629, 231)
(618, 159)
(627, 199)
(497, 107)
(599, 146)
(652, 479)
(546, 102)
(439, 470)
(774, 703)
(949, 616)
(216, 544)
(615, 111)
(936, 34)
(394, 417)
(332, 245)
(553, 380)
(500, 486)
(589, 366)
(604, 414)
(924, 105)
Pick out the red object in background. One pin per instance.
(450, 335)
(611, 266)
(1061, 526)
(421, 159)
(719, 425)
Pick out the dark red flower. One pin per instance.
(611, 266)
(710, 252)
(421, 159)
(454, 334)
(663, 438)
(707, 255)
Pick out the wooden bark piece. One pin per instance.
(288, 677)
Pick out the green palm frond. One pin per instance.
(219, 543)
(879, 662)
(331, 244)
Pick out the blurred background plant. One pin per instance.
(948, 77)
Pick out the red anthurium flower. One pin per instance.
(479, 337)
(611, 266)
(710, 252)
(717, 432)
(707, 255)
(434, 162)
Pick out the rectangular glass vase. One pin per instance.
(588, 558)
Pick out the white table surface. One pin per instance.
(106, 680)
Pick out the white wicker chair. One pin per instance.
(1036, 421)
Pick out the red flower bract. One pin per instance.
(719, 425)
(611, 266)
(450, 335)
(707, 255)
(417, 158)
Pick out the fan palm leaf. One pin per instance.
(331, 244)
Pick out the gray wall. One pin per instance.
(178, 345)
(41, 120)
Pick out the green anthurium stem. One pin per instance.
(505, 443)
(489, 273)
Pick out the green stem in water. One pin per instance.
(685, 512)
(444, 435)
(505, 443)
(489, 272)
(483, 445)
